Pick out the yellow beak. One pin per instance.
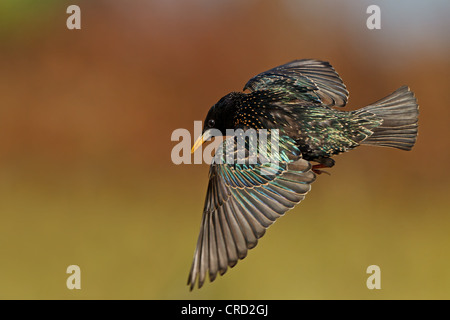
(200, 140)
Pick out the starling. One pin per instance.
(298, 99)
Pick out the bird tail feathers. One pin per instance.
(399, 112)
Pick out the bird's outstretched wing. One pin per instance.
(305, 80)
(242, 201)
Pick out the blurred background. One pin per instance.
(86, 177)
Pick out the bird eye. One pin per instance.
(211, 123)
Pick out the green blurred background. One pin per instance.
(86, 176)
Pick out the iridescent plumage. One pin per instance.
(298, 100)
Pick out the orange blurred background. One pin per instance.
(86, 177)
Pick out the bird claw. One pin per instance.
(316, 169)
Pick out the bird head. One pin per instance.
(219, 118)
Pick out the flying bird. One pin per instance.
(300, 99)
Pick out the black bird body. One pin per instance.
(319, 131)
(298, 99)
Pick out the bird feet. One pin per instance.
(322, 163)
(316, 169)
